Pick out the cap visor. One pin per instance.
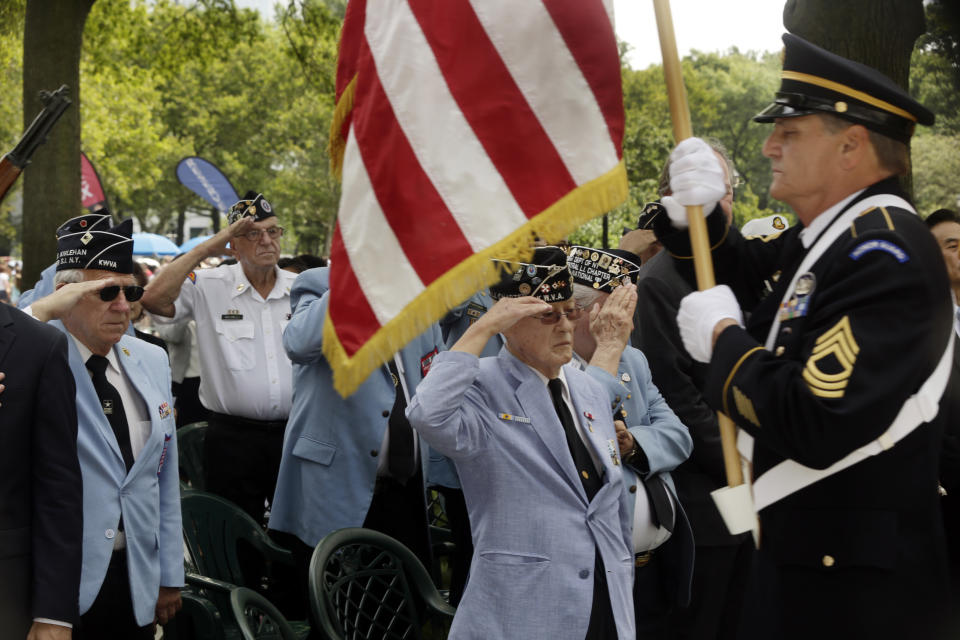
(777, 110)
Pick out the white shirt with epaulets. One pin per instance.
(244, 370)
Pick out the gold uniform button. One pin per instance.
(779, 351)
(586, 476)
(633, 488)
(828, 561)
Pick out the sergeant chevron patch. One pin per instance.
(831, 363)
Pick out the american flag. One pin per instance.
(462, 128)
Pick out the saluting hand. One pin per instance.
(612, 323)
(66, 297)
(217, 245)
(501, 316)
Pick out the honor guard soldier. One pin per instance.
(132, 539)
(839, 373)
(535, 448)
(241, 311)
(652, 440)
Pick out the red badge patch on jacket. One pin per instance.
(426, 361)
(192, 276)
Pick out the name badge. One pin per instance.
(232, 314)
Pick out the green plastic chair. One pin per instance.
(198, 619)
(213, 527)
(366, 585)
(257, 618)
(190, 442)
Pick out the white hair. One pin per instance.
(67, 276)
(585, 296)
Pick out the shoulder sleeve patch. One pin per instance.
(879, 245)
(192, 277)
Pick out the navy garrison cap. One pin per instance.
(255, 206)
(814, 80)
(602, 269)
(545, 277)
(89, 242)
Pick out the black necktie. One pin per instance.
(401, 461)
(112, 406)
(661, 513)
(581, 457)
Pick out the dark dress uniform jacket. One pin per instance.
(859, 554)
(41, 490)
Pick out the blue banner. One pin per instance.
(204, 179)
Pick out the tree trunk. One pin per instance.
(878, 33)
(53, 36)
(181, 220)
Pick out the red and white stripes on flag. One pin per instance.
(462, 128)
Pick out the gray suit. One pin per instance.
(534, 531)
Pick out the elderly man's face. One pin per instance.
(545, 345)
(262, 251)
(97, 324)
(803, 156)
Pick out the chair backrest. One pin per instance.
(190, 443)
(257, 618)
(213, 527)
(364, 584)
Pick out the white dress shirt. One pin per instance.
(597, 460)
(138, 420)
(244, 370)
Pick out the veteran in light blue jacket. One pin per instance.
(333, 447)
(132, 536)
(652, 439)
(536, 451)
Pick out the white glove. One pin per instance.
(696, 177)
(699, 313)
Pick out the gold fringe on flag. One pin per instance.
(476, 272)
(337, 143)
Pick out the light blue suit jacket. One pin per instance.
(42, 288)
(666, 442)
(332, 445)
(535, 535)
(148, 497)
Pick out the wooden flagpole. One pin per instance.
(702, 263)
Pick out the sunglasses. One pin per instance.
(553, 317)
(131, 292)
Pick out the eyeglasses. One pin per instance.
(553, 317)
(131, 292)
(736, 181)
(254, 234)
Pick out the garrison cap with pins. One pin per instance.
(602, 269)
(253, 205)
(815, 80)
(545, 277)
(89, 242)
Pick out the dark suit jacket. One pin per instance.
(41, 492)
(680, 379)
